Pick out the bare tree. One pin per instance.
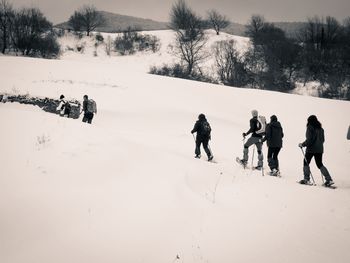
(31, 31)
(190, 37)
(86, 18)
(6, 21)
(230, 65)
(217, 21)
(254, 26)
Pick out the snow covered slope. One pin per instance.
(127, 188)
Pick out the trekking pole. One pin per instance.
(211, 153)
(302, 150)
(253, 157)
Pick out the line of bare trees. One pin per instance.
(27, 31)
(320, 52)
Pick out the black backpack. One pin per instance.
(206, 129)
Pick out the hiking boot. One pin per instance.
(242, 162)
(259, 167)
(304, 182)
(328, 183)
(210, 158)
(197, 156)
(275, 172)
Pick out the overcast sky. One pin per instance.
(236, 10)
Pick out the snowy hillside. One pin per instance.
(127, 188)
(142, 61)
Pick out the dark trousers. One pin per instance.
(88, 116)
(272, 157)
(318, 160)
(205, 143)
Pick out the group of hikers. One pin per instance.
(272, 133)
(89, 108)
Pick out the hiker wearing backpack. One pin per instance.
(314, 148)
(64, 107)
(257, 129)
(273, 136)
(89, 109)
(203, 130)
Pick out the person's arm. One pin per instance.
(310, 137)
(195, 128)
(251, 129)
(84, 109)
(267, 133)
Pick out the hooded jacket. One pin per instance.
(198, 128)
(274, 134)
(314, 139)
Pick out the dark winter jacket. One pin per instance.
(314, 139)
(274, 134)
(85, 106)
(198, 128)
(254, 127)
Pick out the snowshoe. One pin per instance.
(275, 172)
(197, 156)
(210, 158)
(329, 184)
(259, 167)
(306, 182)
(241, 162)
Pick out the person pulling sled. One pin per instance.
(203, 130)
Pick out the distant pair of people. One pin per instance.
(89, 108)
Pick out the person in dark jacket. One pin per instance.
(255, 139)
(273, 137)
(88, 114)
(203, 130)
(314, 148)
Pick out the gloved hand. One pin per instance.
(300, 145)
(244, 134)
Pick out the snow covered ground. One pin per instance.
(127, 188)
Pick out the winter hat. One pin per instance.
(314, 122)
(273, 118)
(254, 113)
(61, 97)
(201, 116)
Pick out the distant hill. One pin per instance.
(290, 28)
(235, 29)
(117, 23)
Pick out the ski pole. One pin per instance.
(211, 153)
(302, 150)
(253, 157)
